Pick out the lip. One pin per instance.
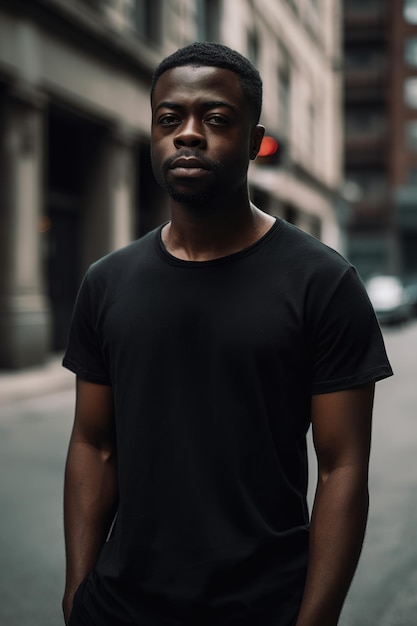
(189, 168)
(188, 163)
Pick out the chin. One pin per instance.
(198, 198)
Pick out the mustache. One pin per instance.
(188, 153)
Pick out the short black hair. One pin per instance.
(211, 54)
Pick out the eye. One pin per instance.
(169, 120)
(217, 119)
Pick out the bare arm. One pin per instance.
(90, 493)
(342, 435)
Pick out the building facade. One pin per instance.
(75, 173)
(380, 113)
(404, 134)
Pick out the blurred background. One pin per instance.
(340, 109)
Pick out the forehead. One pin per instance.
(191, 82)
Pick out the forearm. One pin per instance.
(90, 501)
(336, 536)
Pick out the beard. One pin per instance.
(192, 197)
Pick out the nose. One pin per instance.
(190, 134)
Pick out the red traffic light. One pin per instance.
(269, 146)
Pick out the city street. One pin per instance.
(33, 440)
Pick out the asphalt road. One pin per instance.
(33, 441)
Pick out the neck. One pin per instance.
(206, 233)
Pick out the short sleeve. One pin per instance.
(347, 344)
(84, 355)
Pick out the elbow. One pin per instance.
(349, 482)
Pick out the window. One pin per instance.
(368, 252)
(410, 51)
(365, 123)
(208, 20)
(147, 22)
(371, 186)
(253, 47)
(311, 133)
(410, 92)
(358, 58)
(411, 135)
(284, 100)
(365, 58)
(410, 11)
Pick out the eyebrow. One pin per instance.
(210, 104)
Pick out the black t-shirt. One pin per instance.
(213, 365)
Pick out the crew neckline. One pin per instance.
(173, 260)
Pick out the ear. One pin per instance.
(257, 134)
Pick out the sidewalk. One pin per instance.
(48, 378)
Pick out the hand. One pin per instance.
(67, 603)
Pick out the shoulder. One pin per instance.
(310, 269)
(115, 273)
(125, 260)
(320, 279)
(308, 252)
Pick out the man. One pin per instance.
(203, 352)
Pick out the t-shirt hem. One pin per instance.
(84, 374)
(349, 382)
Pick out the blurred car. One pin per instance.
(390, 299)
